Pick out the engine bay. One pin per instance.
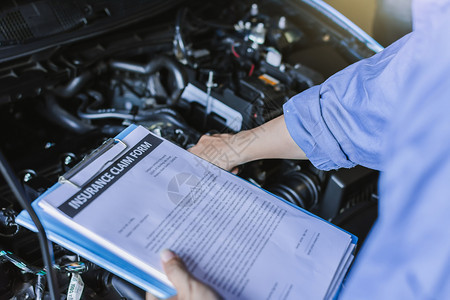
(193, 69)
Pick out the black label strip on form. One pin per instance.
(92, 189)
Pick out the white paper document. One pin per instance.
(146, 194)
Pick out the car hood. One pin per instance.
(27, 27)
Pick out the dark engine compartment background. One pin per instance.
(182, 71)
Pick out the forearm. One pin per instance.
(271, 140)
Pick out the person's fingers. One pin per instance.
(202, 146)
(149, 296)
(217, 150)
(187, 286)
(235, 170)
(176, 271)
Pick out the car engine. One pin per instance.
(185, 70)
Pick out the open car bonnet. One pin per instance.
(75, 73)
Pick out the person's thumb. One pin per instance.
(176, 271)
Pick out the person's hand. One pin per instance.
(224, 150)
(187, 286)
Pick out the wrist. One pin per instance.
(246, 146)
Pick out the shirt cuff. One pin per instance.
(304, 121)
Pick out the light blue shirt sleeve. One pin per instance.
(407, 255)
(392, 112)
(342, 122)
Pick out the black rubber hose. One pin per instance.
(162, 62)
(44, 243)
(73, 87)
(112, 113)
(56, 114)
(90, 111)
(155, 65)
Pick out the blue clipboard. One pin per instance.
(95, 252)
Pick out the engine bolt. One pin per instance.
(67, 160)
(27, 177)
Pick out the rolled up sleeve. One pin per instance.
(341, 123)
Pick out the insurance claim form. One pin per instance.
(234, 236)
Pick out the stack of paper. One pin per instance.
(144, 194)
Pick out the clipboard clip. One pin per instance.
(108, 144)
